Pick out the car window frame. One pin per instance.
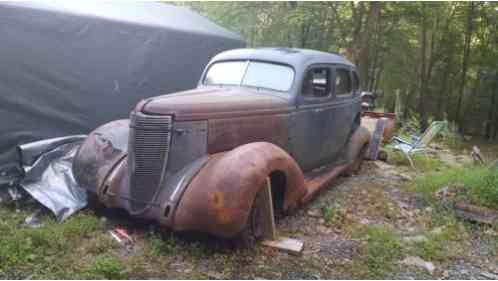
(348, 70)
(354, 74)
(247, 61)
(313, 99)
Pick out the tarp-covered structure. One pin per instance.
(66, 68)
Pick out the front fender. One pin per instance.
(219, 198)
(100, 153)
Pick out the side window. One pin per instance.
(356, 81)
(342, 82)
(317, 83)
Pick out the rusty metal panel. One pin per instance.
(188, 143)
(369, 120)
(219, 198)
(164, 206)
(305, 138)
(100, 152)
(226, 134)
(216, 102)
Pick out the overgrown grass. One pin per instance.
(81, 248)
(480, 184)
(51, 251)
(381, 248)
(334, 216)
(423, 163)
(477, 185)
(105, 267)
(446, 240)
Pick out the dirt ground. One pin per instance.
(332, 227)
(370, 225)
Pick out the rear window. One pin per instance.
(252, 74)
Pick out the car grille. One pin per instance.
(149, 148)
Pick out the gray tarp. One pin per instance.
(68, 67)
(48, 175)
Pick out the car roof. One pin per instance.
(291, 56)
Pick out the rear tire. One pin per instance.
(355, 150)
(356, 166)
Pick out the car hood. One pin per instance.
(215, 102)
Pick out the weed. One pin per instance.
(100, 245)
(160, 245)
(381, 248)
(443, 245)
(106, 267)
(334, 217)
(49, 251)
(422, 162)
(450, 137)
(480, 184)
(328, 214)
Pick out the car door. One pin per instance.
(340, 113)
(309, 122)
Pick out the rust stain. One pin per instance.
(369, 120)
(232, 187)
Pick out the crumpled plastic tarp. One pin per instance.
(48, 174)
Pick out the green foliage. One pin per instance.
(158, 245)
(422, 162)
(450, 137)
(486, 192)
(388, 47)
(106, 267)
(381, 248)
(42, 251)
(480, 184)
(443, 245)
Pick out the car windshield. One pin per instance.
(250, 73)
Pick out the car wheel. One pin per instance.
(355, 166)
(253, 230)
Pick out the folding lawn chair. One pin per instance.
(418, 144)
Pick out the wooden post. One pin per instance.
(271, 238)
(269, 229)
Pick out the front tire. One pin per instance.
(253, 229)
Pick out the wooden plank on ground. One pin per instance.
(292, 246)
(476, 213)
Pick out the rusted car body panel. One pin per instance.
(212, 204)
(369, 120)
(196, 159)
(98, 155)
(214, 102)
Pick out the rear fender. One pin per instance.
(219, 198)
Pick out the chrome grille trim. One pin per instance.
(150, 138)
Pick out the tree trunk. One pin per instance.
(305, 29)
(465, 63)
(442, 93)
(421, 108)
(364, 47)
(492, 128)
(358, 13)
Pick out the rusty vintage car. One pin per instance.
(197, 160)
